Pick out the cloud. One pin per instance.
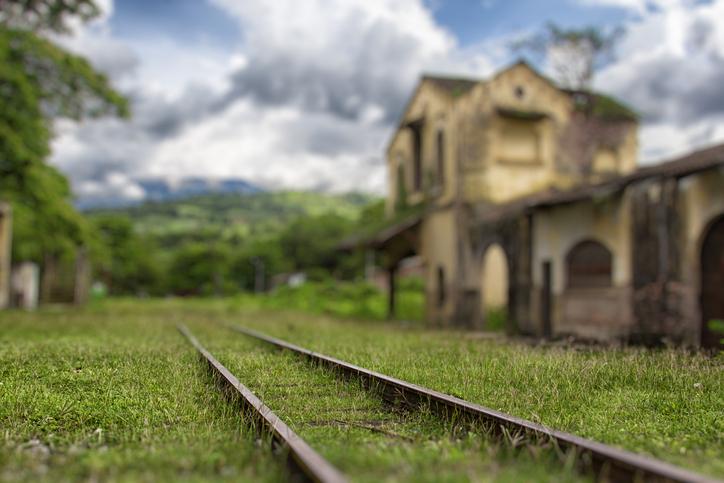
(309, 96)
(337, 57)
(670, 67)
(307, 100)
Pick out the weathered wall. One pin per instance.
(5, 248)
(438, 250)
(505, 138)
(435, 108)
(491, 174)
(587, 312)
(513, 235)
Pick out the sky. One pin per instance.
(304, 94)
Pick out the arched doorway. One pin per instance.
(712, 284)
(494, 286)
(589, 265)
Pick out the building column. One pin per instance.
(391, 291)
(5, 248)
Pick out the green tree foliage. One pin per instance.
(201, 269)
(310, 242)
(264, 253)
(127, 263)
(42, 15)
(39, 82)
(220, 243)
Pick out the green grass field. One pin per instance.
(112, 392)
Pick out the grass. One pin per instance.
(350, 300)
(358, 434)
(84, 396)
(667, 403)
(73, 406)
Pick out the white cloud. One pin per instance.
(670, 68)
(306, 101)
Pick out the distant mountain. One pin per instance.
(161, 189)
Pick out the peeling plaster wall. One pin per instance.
(654, 230)
(599, 313)
(487, 176)
(438, 251)
(436, 108)
(474, 122)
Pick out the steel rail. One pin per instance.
(608, 463)
(304, 459)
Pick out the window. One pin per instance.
(401, 195)
(519, 141)
(417, 157)
(441, 157)
(589, 265)
(441, 295)
(605, 161)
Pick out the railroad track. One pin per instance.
(607, 463)
(304, 462)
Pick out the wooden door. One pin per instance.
(546, 301)
(712, 284)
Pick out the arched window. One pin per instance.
(589, 265)
(441, 295)
(441, 157)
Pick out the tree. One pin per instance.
(310, 241)
(127, 263)
(42, 15)
(39, 82)
(200, 269)
(572, 54)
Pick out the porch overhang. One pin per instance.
(396, 241)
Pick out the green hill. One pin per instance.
(233, 217)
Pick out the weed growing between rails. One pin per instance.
(365, 438)
(667, 403)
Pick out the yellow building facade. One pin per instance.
(474, 170)
(466, 142)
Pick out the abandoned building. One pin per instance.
(520, 195)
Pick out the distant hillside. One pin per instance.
(161, 189)
(233, 216)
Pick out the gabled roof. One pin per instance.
(594, 103)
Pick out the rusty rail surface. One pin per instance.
(307, 462)
(607, 463)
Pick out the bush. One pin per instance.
(359, 300)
